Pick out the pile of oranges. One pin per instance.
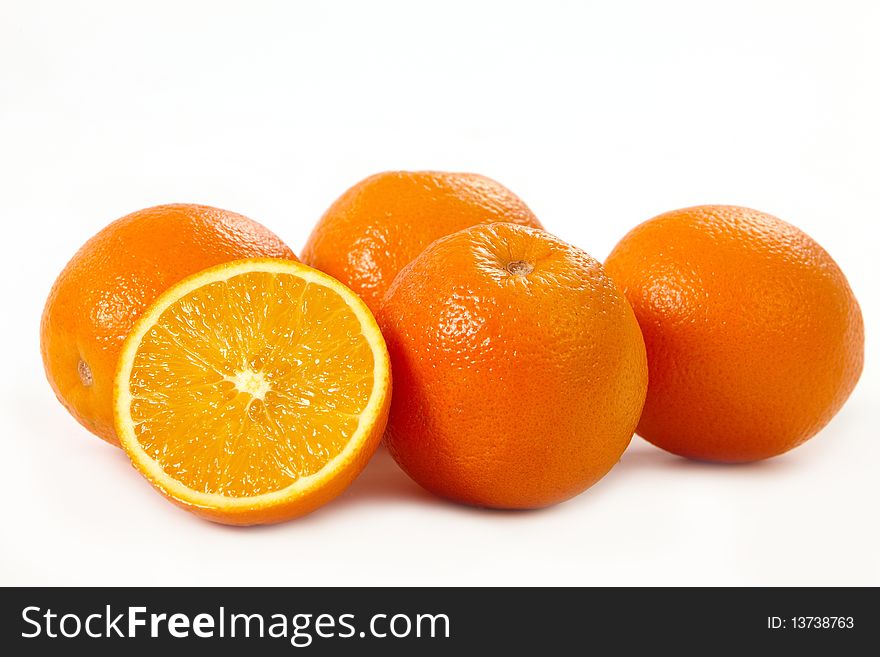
(249, 387)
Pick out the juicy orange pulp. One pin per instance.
(245, 382)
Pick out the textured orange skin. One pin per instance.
(754, 337)
(386, 220)
(112, 279)
(510, 394)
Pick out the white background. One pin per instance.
(600, 115)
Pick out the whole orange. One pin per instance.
(386, 220)
(519, 369)
(103, 290)
(754, 337)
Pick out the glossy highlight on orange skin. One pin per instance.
(379, 225)
(519, 368)
(112, 279)
(754, 337)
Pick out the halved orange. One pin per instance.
(253, 392)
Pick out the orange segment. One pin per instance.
(253, 391)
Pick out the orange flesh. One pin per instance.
(245, 385)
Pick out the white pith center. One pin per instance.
(251, 382)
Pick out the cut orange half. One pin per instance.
(253, 392)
